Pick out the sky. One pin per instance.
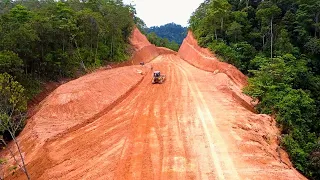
(160, 12)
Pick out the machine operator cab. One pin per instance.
(156, 74)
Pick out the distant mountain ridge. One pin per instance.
(171, 31)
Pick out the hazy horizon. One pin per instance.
(157, 13)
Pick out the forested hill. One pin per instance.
(43, 41)
(277, 44)
(171, 31)
(49, 40)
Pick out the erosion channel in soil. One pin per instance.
(116, 124)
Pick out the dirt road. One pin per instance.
(190, 127)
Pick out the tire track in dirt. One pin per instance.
(142, 126)
(174, 160)
(169, 146)
(168, 131)
(223, 165)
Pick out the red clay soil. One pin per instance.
(163, 50)
(116, 124)
(204, 59)
(144, 51)
(138, 40)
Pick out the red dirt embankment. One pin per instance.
(257, 128)
(79, 101)
(138, 40)
(202, 58)
(65, 104)
(144, 51)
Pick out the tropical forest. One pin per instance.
(277, 44)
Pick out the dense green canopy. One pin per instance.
(47, 40)
(171, 31)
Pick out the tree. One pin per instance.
(313, 46)
(273, 85)
(267, 11)
(218, 12)
(13, 105)
(11, 63)
(162, 42)
(234, 30)
(283, 44)
(171, 31)
(315, 159)
(313, 7)
(17, 34)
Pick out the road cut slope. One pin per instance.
(204, 59)
(115, 124)
(144, 51)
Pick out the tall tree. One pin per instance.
(12, 108)
(267, 12)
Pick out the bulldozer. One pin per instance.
(158, 78)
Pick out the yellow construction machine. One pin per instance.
(158, 78)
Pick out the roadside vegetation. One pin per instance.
(171, 31)
(43, 41)
(162, 42)
(153, 38)
(277, 44)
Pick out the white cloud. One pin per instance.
(160, 12)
